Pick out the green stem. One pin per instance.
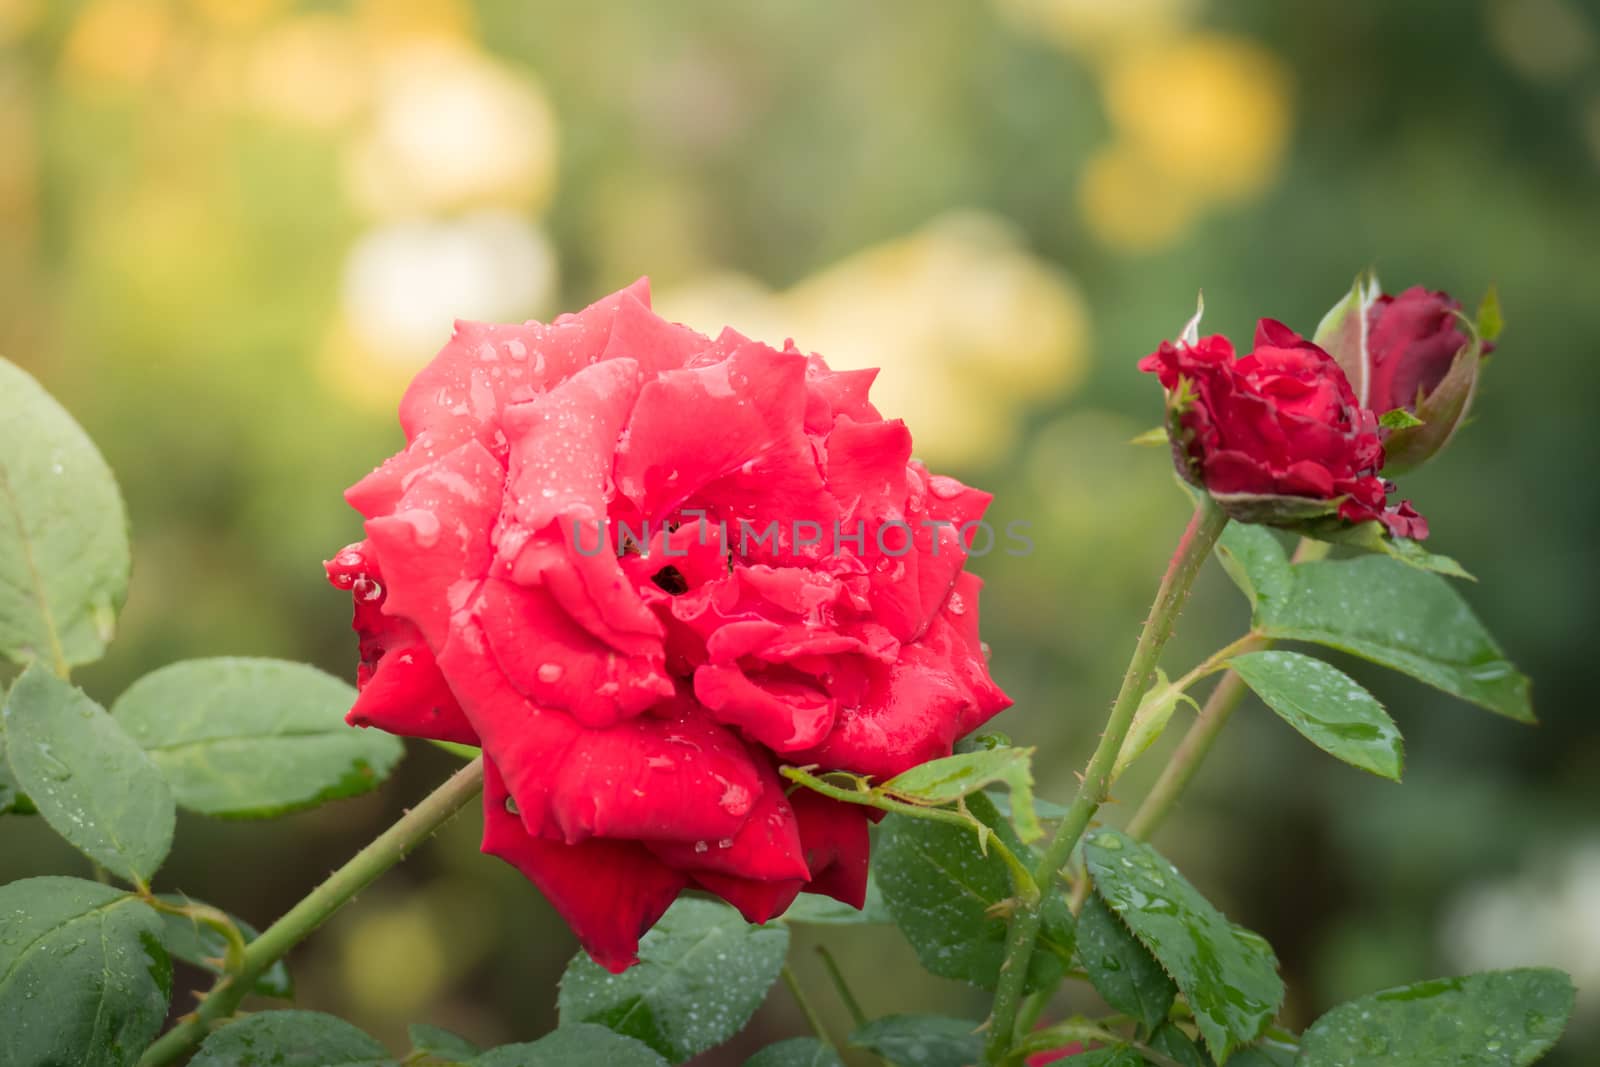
(1198, 538)
(1214, 715)
(1022, 880)
(851, 1004)
(386, 850)
(812, 1018)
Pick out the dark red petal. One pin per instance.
(767, 847)
(836, 844)
(609, 892)
(406, 695)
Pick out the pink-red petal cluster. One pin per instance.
(642, 568)
(1279, 423)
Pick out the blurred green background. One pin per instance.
(231, 229)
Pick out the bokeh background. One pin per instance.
(230, 230)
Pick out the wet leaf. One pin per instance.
(1121, 969)
(1498, 1019)
(253, 738)
(921, 1040)
(440, 1043)
(572, 1045)
(64, 557)
(945, 781)
(83, 978)
(290, 1039)
(89, 780)
(796, 1052)
(1328, 707)
(1227, 974)
(703, 972)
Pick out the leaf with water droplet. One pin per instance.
(64, 558)
(947, 780)
(440, 1044)
(1328, 707)
(571, 1045)
(921, 1040)
(1382, 610)
(1228, 975)
(290, 1039)
(796, 1052)
(1496, 1019)
(816, 909)
(702, 972)
(1120, 968)
(83, 977)
(946, 895)
(89, 780)
(253, 738)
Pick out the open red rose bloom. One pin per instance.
(574, 564)
(1274, 433)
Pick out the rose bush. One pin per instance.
(640, 567)
(1276, 436)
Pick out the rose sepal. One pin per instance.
(1343, 331)
(1373, 536)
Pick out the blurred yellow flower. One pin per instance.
(236, 14)
(1130, 203)
(968, 327)
(314, 70)
(17, 17)
(399, 20)
(1210, 111)
(452, 128)
(117, 42)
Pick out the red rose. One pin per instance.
(1276, 436)
(572, 563)
(1411, 341)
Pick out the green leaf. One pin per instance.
(253, 738)
(1178, 1047)
(439, 1043)
(1328, 707)
(1499, 1019)
(12, 798)
(1342, 333)
(945, 781)
(194, 942)
(1254, 558)
(92, 784)
(947, 895)
(1264, 1053)
(1398, 419)
(83, 978)
(1490, 319)
(63, 532)
(1155, 436)
(816, 909)
(1228, 974)
(1115, 1056)
(1120, 968)
(796, 1052)
(703, 972)
(921, 1040)
(290, 1039)
(574, 1045)
(1400, 617)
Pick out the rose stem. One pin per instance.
(1198, 538)
(851, 1004)
(1219, 706)
(386, 850)
(812, 1018)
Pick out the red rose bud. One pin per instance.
(1413, 359)
(1276, 437)
(641, 568)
